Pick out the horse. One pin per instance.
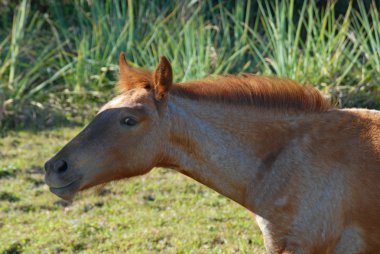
(308, 171)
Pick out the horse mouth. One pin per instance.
(68, 191)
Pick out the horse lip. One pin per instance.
(68, 191)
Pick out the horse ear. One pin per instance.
(130, 77)
(124, 68)
(162, 78)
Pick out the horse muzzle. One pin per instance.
(61, 180)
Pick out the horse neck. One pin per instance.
(226, 147)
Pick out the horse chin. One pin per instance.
(67, 192)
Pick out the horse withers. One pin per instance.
(309, 172)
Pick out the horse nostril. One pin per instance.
(60, 166)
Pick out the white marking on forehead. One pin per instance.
(130, 99)
(116, 102)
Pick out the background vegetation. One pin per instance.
(58, 58)
(58, 63)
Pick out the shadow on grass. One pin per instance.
(7, 196)
(16, 247)
(8, 171)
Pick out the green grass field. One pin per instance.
(58, 64)
(162, 212)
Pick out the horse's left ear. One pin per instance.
(162, 78)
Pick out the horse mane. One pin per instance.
(247, 89)
(259, 91)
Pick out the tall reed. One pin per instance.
(64, 56)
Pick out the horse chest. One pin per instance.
(282, 239)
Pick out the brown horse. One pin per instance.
(310, 173)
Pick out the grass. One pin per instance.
(58, 62)
(162, 212)
(57, 56)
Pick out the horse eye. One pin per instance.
(128, 121)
